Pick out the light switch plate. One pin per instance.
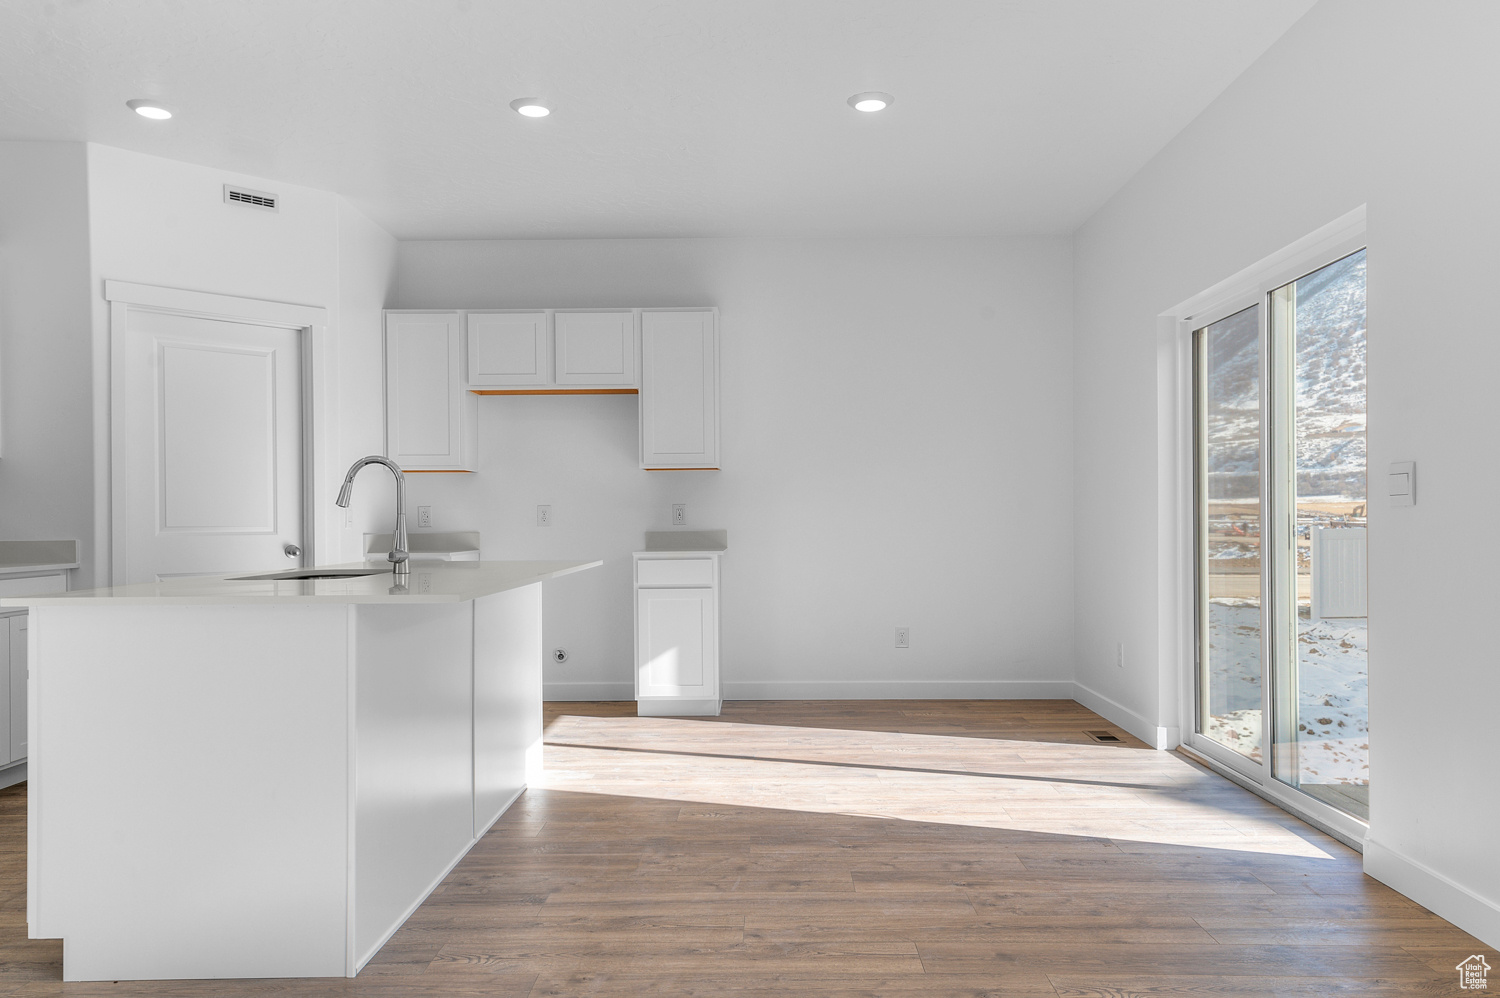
(1401, 483)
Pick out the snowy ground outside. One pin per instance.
(1333, 721)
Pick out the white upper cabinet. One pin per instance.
(595, 348)
(507, 348)
(679, 389)
(431, 420)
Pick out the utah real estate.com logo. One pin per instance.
(1473, 974)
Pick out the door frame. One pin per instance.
(1179, 544)
(318, 428)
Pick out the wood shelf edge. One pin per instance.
(554, 391)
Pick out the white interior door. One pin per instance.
(208, 417)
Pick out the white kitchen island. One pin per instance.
(263, 778)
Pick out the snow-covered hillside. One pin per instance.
(1330, 376)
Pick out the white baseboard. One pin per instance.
(1147, 731)
(855, 689)
(915, 689)
(588, 691)
(1477, 916)
(10, 777)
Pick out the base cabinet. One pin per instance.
(283, 783)
(677, 636)
(12, 691)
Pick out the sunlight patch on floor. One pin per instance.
(1103, 791)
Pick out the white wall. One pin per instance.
(1359, 103)
(46, 436)
(896, 434)
(367, 278)
(163, 222)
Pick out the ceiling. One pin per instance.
(671, 117)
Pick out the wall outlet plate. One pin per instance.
(679, 514)
(424, 516)
(903, 637)
(544, 516)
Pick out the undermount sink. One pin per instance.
(299, 574)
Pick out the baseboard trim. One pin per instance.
(1155, 735)
(588, 691)
(1478, 916)
(899, 689)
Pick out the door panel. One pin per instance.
(507, 348)
(209, 422)
(677, 635)
(1229, 532)
(1322, 729)
(679, 390)
(217, 475)
(595, 348)
(18, 678)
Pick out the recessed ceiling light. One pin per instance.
(531, 107)
(149, 109)
(871, 100)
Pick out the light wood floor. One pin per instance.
(895, 848)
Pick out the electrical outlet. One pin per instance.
(559, 655)
(1120, 655)
(424, 516)
(424, 582)
(903, 637)
(679, 514)
(544, 516)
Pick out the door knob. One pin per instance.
(292, 550)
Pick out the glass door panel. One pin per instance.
(1228, 439)
(1320, 624)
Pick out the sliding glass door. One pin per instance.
(1229, 355)
(1281, 498)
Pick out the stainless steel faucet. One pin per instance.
(398, 556)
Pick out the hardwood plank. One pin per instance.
(838, 849)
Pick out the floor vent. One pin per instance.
(1103, 736)
(249, 198)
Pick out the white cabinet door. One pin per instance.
(8, 689)
(677, 652)
(679, 389)
(595, 348)
(507, 348)
(431, 419)
(17, 687)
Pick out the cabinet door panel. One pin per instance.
(430, 419)
(508, 348)
(679, 390)
(17, 687)
(8, 688)
(677, 633)
(595, 348)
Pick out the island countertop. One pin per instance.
(428, 582)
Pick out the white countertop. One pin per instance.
(429, 582)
